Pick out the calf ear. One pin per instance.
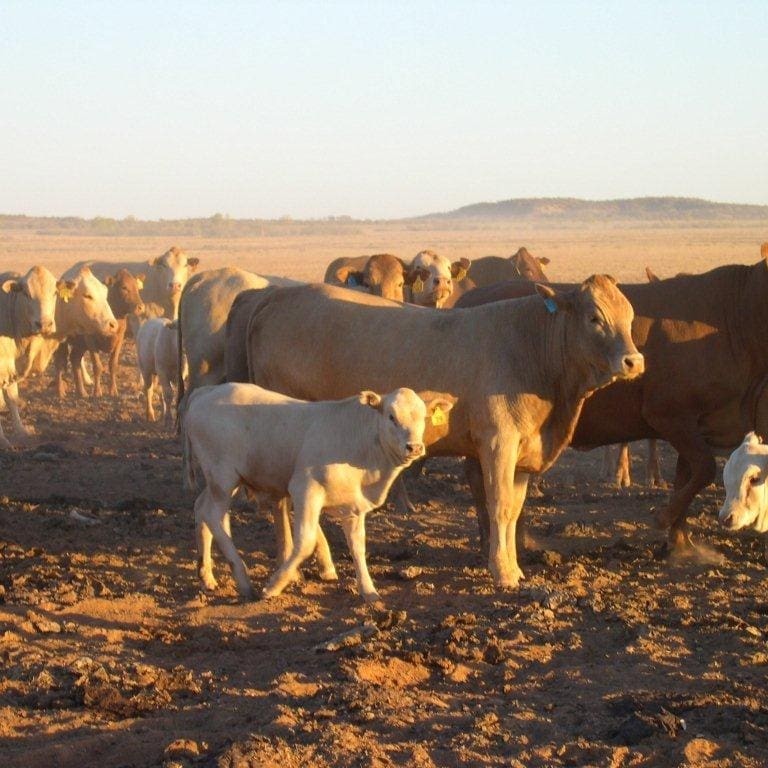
(543, 260)
(752, 438)
(370, 398)
(109, 280)
(193, 262)
(11, 286)
(437, 410)
(552, 299)
(459, 268)
(349, 277)
(651, 275)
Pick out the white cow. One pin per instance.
(27, 317)
(157, 353)
(746, 491)
(164, 278)
(341, 455)
(435, 285)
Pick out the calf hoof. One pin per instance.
(329, 575)
(209, 583)
(373, 599)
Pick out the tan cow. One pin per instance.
(382, 275)
(164, 278)
(488, 270)
(746, 490)
(520, 370)
(341, 456)
(203, 309)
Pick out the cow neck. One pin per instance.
(567, 382)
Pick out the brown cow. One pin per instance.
(707, 357)
(380, 275)
(495, 269)
(520, 370)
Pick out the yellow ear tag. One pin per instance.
(65, 294)
(439, 417)
(139, 284)
(418, 285)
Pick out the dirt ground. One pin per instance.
(611, 654)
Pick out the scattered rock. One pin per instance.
(349, 638)
(43, 625)
(410, 572)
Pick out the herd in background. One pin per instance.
(525, 369)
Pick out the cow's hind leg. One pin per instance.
(354, 530)
(474, 474)
(204, 540)
(622, 476)
(12, 399)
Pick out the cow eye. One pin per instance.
(754, 480)
(393, 419)
(595, 319)
(87, 296)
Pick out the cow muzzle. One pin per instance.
(414, 451)
(629, 366)
(730, 517)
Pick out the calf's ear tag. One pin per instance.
(551, 305)
(438, 417)
(351, 281)
(418, 285)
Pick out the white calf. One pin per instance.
(746, 491)
(341, 455)
(157, 353)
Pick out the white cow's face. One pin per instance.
(746, 491)
(402, 416)
(434, 285)
(88, 309)
(36, 301)
(173, 269)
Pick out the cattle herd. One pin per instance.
(320, 395)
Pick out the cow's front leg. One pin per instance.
(498, 457)
(98, 369)
(474, 474)
(354, 530)
(12, 399)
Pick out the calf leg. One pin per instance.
(114, 355)
(4, 443)
(285, 542)
(307, 505)
(324, 559)
(98, 369)
(623, 477)
(398, 495)
(76, 361)
(60, 364)
(354, 531)
(167, 390)
(149, 394)
(204, 539)
(474, 474)
(653, 467)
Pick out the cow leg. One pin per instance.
(515, 530)
(204, 539)
(653, 466)
(398, 495)
(98, 369)
(60, 364)
(76, 361)
(622, 476)
(283, 530)
(167, 391)
(324, 559)
(4, 443)
(354, 531)
(505, 494)
(11, 394)
(149, 394)
(474, 474)
(114, 356)
(216, 517)
(307, 505)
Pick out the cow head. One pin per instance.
(383, 275)
(35, 307)
(746, 492)
(169, 274)
(401, 423)
(123, 293)
(529, 267)
(431, 277)
(598, 330)
(84, 298)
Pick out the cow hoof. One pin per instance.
(329, 575)
(373, 599)
(247, 596)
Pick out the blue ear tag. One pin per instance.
(551, 305)
(351, 281)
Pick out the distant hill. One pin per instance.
(639, 208)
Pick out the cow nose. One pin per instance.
(112, 325)
(139, 309)
(634, 364)
(415, 449)
(175, 287)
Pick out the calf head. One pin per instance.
(123, 293)
(746, 492)
(87, 308)
(529, 267)
(170, 272)
(598, 330)
(35, 307)
(402, 418)
(431, 277)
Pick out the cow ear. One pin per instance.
(12, 286)
(109, 280)
(752, 438)
(350, 277)
(141, 278)
(371, 399)
(157, 262)
(459, 268)
(65, 289)
(416, 273)
(193, 262)
(553, 300)
(543, 260)
(651, 275)
(437, 410)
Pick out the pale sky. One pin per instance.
(376, 109)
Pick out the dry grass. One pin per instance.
(576, 251)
